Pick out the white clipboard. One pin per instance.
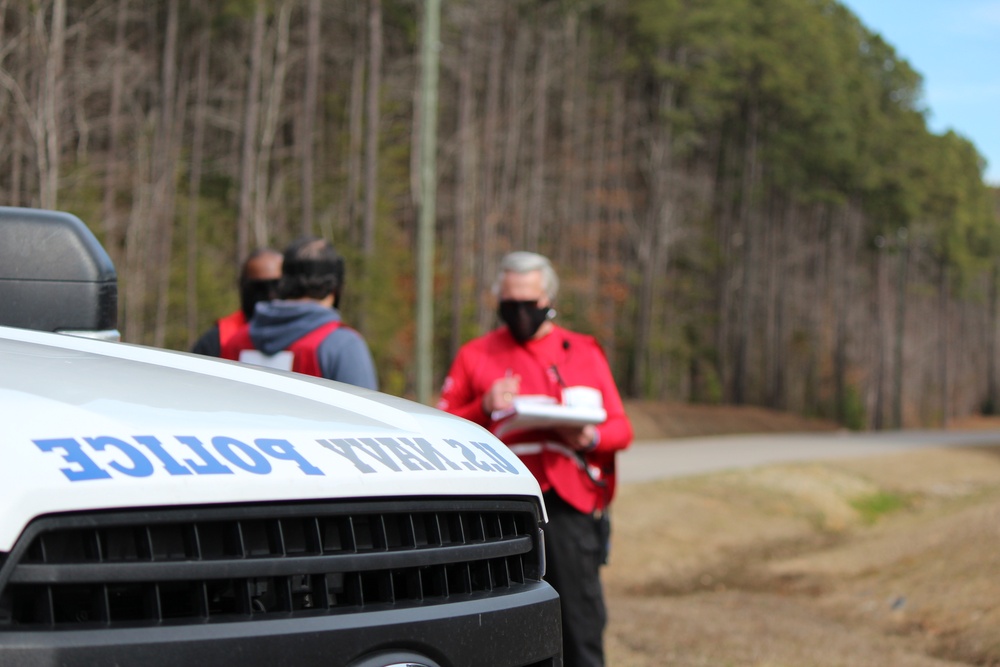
(541, 412)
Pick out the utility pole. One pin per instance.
(428, 191)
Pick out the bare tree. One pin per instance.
(251, 127)
(51, 100)
(488, 213)
(747, 213)
(12, 105)
(619, 217)
(195, 178)
(373, 116)
(568, 195)
(515, 103)
(164, 186)
(307, 140)
(533, 223)
(354, 208)
(273, 72)
(652, 235)
(112, 171)
(461, 258)
(137, 242)
(992, 385)
(944, 307)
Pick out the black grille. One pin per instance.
(269, 561)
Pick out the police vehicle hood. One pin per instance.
(99, 425)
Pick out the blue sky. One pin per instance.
(955, 45)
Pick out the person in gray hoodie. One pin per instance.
(302, 330)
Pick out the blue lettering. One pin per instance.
(143, 456)
(209, 464)
(344, 447)
(169, 463)
(405, 457)
(371, 447)
(427, 450)
(471, 461)
(502, 464)
(73, 454)
(282, 449)
(141, 467)
(258, 465)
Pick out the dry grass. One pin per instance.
(882, 561)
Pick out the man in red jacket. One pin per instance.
(574, 465)
(258, 282)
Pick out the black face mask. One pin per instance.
(253, 291)
(523, 318)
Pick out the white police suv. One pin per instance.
(160, 508)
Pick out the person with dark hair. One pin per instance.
(258, 281)
(301, 330)
(532, 360)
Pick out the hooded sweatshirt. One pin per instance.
(343, 355)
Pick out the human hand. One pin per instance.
(501, 395)
(581, 439)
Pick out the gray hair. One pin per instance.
(526, 262)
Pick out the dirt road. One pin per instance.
(818, 551)
(677, 457)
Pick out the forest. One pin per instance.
(742, 197)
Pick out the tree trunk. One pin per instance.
(486, 245)
(164, 185)
(776, 264)
(277, 68)
(460, 255)
(944, 301)
(568, 193)
(618, 217)
(373, 115)
(901, 299)
(307, 141)
(652, 237)
(251, 128)
(533, 224)
(137, 243)
(194, 181)
(51, 103)
(878, 316)
(992, 386)
(80, 121)
(594, 210)
(354, 219)
(372, 126)
(507, 200)
(110, 216)
(723, 275)
(840, 291)
(583, 120)
(741, 350)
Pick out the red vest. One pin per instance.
(304, 349)
(229, 325)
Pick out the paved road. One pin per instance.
(648, 460)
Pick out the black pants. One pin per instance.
(575, 546)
